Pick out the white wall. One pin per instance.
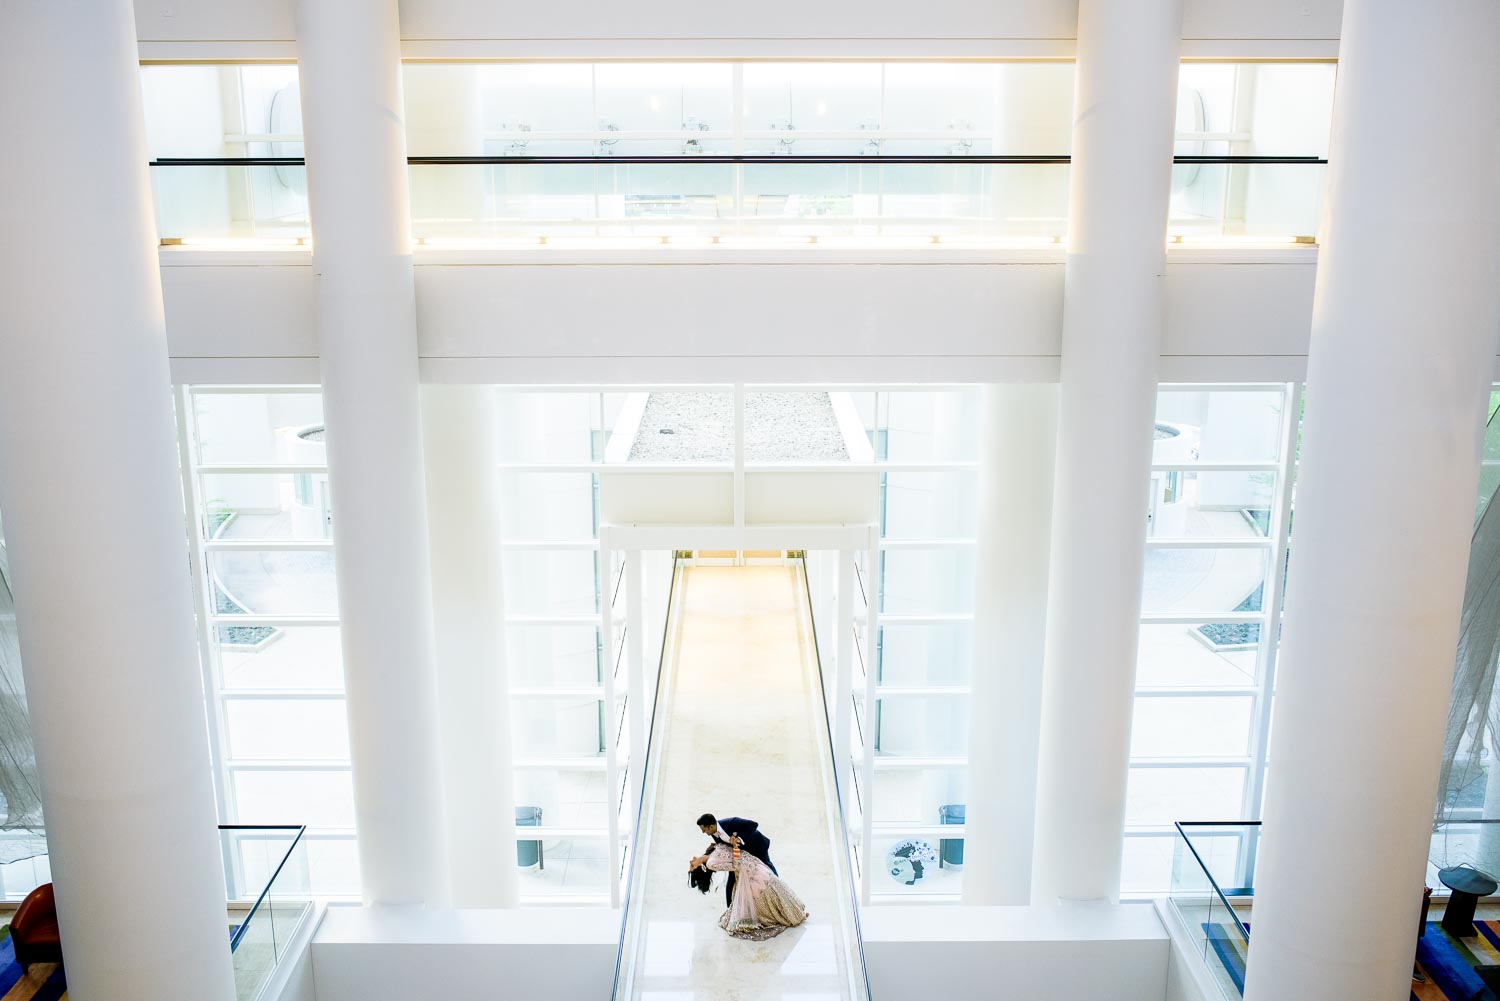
(1087, 953)
(610, 318)
(407, 954)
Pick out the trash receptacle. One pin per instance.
(529, 853)
(951, 850)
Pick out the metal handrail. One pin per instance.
(1243, 928)
(716, 158)
(833, 751)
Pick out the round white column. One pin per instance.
(350, 60)
(1405, 320)
(94, 518)
(1018, 439)
(1113, 311)
(461, 432)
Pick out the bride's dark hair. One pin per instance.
(701, 878)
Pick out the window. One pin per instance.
(1218, 523)
(226, 111)
(1276, 109)
(914, 711)
(256, 481)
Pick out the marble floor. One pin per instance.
(743, 740)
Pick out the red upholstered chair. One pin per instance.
(33, 929)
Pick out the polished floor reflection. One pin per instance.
(743, 740)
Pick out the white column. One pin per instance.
(350, 60)
(1018, 439)
(843, 683)
(1112, 323)
(1405, 319)
(639, 699)
(461, 430)
(94, 519)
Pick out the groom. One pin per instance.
(737, 831)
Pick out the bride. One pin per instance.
(763, 906)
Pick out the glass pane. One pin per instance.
(1186, 504)
(1163, 796)
(923, 426)
(1197, 726)
(260, 657)
(957, 98)
(259, 428)
(222, 110)
(663, 199)
(556, 427)
(927, 654)
(808, 97)
(271, 582)
(1147, 864)
(931, 581)
(553, 656)
(920, 796)
(922, 726)
(566, 797)
(1218, 426)
(1203, 581)
(230, 202)
(1271, 109)
(917, 866)
(566, 867)
(535, 97)
(557, 726)
(551, 582)
(555, 506)
(265, 729)
(1214, 654)
(314, 798)
(333, 866)
(931, 505)
(665, 97)
(1260, 199)
(271, 506)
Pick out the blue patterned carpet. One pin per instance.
(44, 982)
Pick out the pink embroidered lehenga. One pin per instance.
(764, 906)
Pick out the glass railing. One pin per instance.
(749, 197)
(1213, 884)
(268, 892)
(259, 200)
(24, 863)
(1246, 199)
(846, 863)
(632, 917)
(751, 200)
(270, 896)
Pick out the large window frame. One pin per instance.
(220, 697)
(1261, 689)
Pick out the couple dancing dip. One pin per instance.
(761, 906)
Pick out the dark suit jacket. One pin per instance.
(748, 831)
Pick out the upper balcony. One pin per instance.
(906, 156)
